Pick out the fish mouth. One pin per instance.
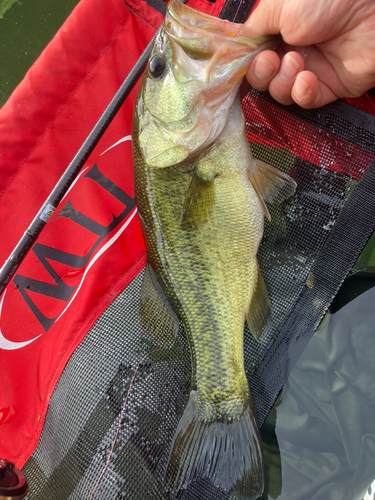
(190, 18)
(207, 61)
(194, 30)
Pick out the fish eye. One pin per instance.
(157, 66)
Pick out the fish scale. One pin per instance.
(200, 197)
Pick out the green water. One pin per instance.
(26, 27)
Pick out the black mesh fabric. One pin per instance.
(326, 151)
(84, 412)
(305, 255)
(237, 10)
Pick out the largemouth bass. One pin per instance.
(201, 200)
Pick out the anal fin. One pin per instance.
(259, 312)
(158, 321)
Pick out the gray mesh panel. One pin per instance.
(84, 411)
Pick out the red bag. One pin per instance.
(92, 246)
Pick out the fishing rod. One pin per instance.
(40, 220)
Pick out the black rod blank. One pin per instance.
(37, 225)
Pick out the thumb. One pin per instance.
(263, 20)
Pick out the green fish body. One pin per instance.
(200, 197)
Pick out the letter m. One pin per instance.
(59, 290)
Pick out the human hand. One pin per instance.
(327, 52)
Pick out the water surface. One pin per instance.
(26, 27)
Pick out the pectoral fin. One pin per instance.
(158, 321)
(198, 201)
(259, 312)
(271, 185)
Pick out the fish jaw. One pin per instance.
(185, 107)
(185, 22)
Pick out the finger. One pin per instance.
(326, 80)
(263, 21)
(309, 92)
(263, 69)
(282, 84)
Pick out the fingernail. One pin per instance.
(301, 87)
(263, 69)
(289, 68)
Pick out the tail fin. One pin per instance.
(226, 450)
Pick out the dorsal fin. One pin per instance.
(158, 321)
